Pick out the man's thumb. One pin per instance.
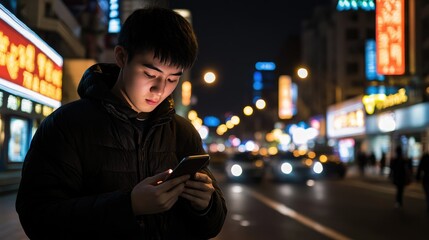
(160, 177)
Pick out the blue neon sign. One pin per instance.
(265, 66)
(370, 62)
(353, 5)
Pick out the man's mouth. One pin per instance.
(152, 102)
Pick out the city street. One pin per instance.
(353, 208)
(349, 209)
(331, 95)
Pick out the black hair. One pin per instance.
(163, 31)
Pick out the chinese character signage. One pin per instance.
(346, 119)
(390, 39)
(27, 63)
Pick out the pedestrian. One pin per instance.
(361, 161)
(400, 174)
(423, 175)
(372, 161)
(382, 163)
(96, 167)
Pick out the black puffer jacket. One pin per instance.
(86, 157)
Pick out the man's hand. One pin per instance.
(199, 191)
(154, 196)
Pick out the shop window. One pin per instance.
(36, 124)
(18, 141)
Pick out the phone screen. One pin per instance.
(189, 165)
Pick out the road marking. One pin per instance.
(284, 210)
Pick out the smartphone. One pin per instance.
(189, 166)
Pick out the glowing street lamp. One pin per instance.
(248, 110)
(260, 104)
(302, 73)
(209, 77)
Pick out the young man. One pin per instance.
(96, 167)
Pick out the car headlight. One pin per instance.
(286, 168)
(236, 170)
(317, 168)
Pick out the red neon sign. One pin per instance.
(24, 64)
(390, 37)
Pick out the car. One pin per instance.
(331, 162)
(294, 166)
(245, 166)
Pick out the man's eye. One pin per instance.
(149, 75)
(172, 80)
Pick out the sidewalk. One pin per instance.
(372, 176)
(9, 181)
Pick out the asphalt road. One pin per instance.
(353, 208)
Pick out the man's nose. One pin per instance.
(159, 86)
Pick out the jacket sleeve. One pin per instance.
(210, 223)
(51, 202)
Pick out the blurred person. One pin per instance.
(96, 167)
(361, 161)
(382, 163)
(423, 175)
(400, 174)
(372, 161)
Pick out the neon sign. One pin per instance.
(265, 66)
(346, 119)
(381, 101)
(389, 30)
(114, 24)
(28, 66)
(344, 5)
(370, 62)
(285, 97)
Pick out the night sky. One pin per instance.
(233, 36)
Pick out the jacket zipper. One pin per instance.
(144, 148)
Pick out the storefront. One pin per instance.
(30, 88)
(407, 126)
(345, 125)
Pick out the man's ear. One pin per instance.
(120, 56)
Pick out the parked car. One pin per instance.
(245, 166)
(294, 166)
(332, 164)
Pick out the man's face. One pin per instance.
(146, 82)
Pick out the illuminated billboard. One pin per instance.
(287, 97)
(346, 119)
(29, 67)
(354, 5)
(390, 37)
(370, 62)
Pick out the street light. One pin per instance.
(302, 73)
(187, 87)
(209, 77)
(248, 110)
(260, 104)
